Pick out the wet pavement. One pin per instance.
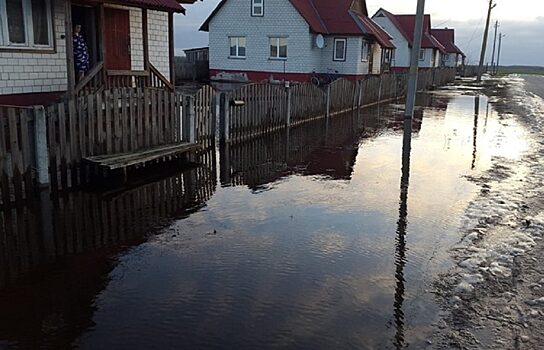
(320, 238)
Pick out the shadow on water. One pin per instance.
(57, 255)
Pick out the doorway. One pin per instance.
(86, 17)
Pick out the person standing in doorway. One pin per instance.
(81, 53)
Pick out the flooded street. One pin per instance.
(300, 240)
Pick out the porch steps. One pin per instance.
(125, 160)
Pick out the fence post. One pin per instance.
(328, 100)
(40, 147)
(288, 88)
(360, 93)
(224, 118)
(189, 125)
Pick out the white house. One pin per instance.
(453, 57)
(130, 37)
(291, 39)
(401, 29)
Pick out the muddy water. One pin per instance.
(297, 240)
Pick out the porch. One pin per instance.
(119, 38)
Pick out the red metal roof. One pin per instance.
(447, 38)
(406, 25)
(165, 5)
(332, 17)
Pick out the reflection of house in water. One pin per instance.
(77, 236)
(426, 103)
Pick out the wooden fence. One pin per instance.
(45, 230)
(256, 109)
(106, 122)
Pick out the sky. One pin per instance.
(522, 21)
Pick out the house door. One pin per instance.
(117, 28)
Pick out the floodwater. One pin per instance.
(305, 240)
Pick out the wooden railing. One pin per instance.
(126, 78)
(92, 82)
(98, 79)
(158, 80)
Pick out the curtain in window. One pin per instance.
(16, 21)
(39, 21)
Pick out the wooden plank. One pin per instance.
(140, 118)
(154, 134)
(160, 116)
(26, 153)
(124, 119)
(52, 146)
(116, 122)
(4, 179)
(15, 155)
(147, 118)
(133, 118)
(100, 146)
(109, 136)
(147, 156)
(63, 150)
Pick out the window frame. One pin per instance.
(237, 56)
(29, 45)
(255, 5)
(422, 54)
(345, 51)
(278, 45)
(365, 43)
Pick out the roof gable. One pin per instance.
(406, 26)
(331, 17)
(163, 5)
(447, 38)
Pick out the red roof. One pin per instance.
(332, 17)
(447, 38)
(165, 5)
(406, 25)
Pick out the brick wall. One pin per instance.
(22, 72)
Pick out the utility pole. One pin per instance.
(414, 61)
(484, 42)
(494, 46)
(501, 35)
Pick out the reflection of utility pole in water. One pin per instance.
(475, 142)
(400, 240)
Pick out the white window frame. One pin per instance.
(365, 56)
(257, 5)
(277, 44)
(336, 41)
(238, 37)
(422, 54)
(29, 28)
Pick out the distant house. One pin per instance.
(291, 39)
(127, 39)
(401, 29)
(453, 57)
(199, 54)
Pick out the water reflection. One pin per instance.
(294, 250)
(400, 240)
(475, 130)
(56, 254)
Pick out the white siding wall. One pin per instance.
(22, 72)
(452, 60)
(280, 19)
(377, 59)
(430, 59)
(158, 41)
(403, 51)
(157, 25)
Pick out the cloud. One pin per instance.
(523, 43)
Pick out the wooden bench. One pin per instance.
(125, 160)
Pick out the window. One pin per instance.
(422, 55)
(257, 8)
(26, 24)
(365, 51)
(339, 49)
(237, 47)
(278, 48)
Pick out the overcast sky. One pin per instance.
(521, 20)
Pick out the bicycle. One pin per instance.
(323, 79)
